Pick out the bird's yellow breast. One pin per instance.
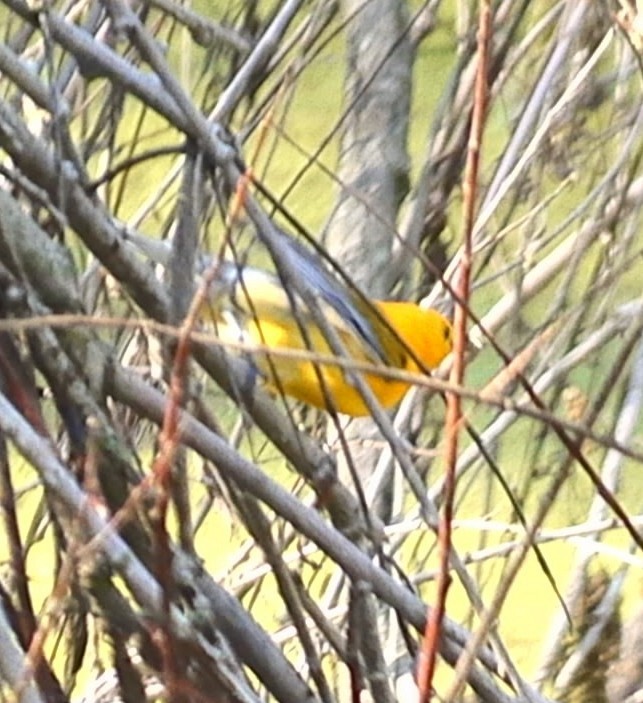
(426, 333)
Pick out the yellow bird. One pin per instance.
(252, 306)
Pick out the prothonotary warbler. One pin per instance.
(251, 305)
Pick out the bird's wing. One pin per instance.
(253, 294)
(350, 312)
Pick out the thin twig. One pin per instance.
(453, 422)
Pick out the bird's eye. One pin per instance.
(447, 332)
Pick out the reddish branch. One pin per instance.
(162, 469)
(453, 422)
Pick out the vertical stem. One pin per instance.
(453, 422)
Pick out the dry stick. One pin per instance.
(454, 409)
(162, 468)
(162, 472)
(260, 55)
(204, 30)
